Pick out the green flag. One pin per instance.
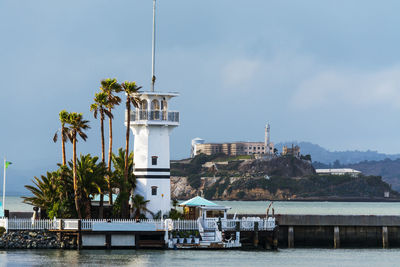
(8, 163)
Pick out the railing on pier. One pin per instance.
(246, 224)
(28, 224)
(183, 225)
(154, 115)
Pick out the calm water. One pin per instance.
(281, 207)
(285, 257)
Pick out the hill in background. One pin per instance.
(387, 168)
(320, 154)
(280, 178)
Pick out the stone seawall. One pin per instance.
(36, 240)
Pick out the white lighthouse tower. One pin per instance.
(151, 124)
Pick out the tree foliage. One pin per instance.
(54, 192)
(125, 187)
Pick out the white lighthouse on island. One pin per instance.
(151, 124)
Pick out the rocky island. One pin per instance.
(219, 177)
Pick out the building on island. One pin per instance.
(151, 125)
(345, 171)
(235, 148)
(291, 151)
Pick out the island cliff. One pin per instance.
(279, 178)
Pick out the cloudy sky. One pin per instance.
(327, 72)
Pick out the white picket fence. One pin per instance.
(246, 224)
(181, 225)
(28, 224)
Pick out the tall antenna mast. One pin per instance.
(153, 56)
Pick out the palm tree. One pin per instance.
(131, 91)
(110, 86)
(44, 191)
(118, 180)
(100, 106)
(139, 205)
(78, 126)
(91, 181)
(63, 117)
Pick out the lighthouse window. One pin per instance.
(154, 190)
(143, 104)
(154, 160)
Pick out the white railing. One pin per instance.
(209, 224)
(154, 115)
(29, 224)
(182, 225)
(200, 226)
(229, 224)
(246, 224)
(70, 224)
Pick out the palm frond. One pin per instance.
(55, 137)
(108, 113)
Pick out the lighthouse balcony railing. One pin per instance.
(155, 115)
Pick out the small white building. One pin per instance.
(344, 171)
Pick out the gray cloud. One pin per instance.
(317, 71)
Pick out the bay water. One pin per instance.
(177, 258)
(14, 203)
(282, 257)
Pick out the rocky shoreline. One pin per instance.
(36, 240)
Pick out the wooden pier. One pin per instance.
(255, 232)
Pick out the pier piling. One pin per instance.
(108, 241)
(79, 235)
(290, 237)
(336, 237)
(385, 240)
(255, 236)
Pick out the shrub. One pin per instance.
(194, 180)
(175, 214)
(2, 230)
(223, 186)
(241, 194)
(210, 192)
